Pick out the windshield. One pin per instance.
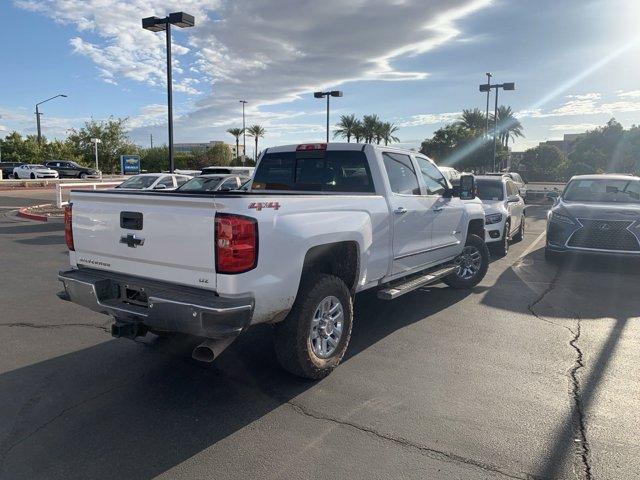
(202, 184)
(603, 191)
(139, 182)
(490, 190)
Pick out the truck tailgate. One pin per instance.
(168, 238)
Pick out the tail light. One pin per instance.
(68, 230)
(236, 238)
(305, 147)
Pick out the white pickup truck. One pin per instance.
(319, 223)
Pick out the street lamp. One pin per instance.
(155, 24)
(244, 134)
(486, 87)
(95, 142)
(38, 113)
(332, 93)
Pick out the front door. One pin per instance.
(412, 214)
(447, 233)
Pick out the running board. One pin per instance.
(416, 282)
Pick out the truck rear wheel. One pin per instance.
(472, 264)
(312, 339)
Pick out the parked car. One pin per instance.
(213, 183)
(517, 179)
(34, 171)
(7, 168)
(504, 211)
(450, 174)
(319, 223)
(154, 181)
(72, 169)
(597, 214)
(246, 171)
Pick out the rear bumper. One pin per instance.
(169, 307)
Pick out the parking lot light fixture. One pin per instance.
(331, 93)
(157, 24)
(486, 87)
(38, 114)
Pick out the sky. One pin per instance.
(416, 63)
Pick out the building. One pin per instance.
(190, 147)
(566, 145)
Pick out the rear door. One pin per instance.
(448, 212)
(412, 213)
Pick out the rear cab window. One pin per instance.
(345, 171)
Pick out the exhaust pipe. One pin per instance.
(211, 349)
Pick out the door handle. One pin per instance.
(438, 209)
(400, 210)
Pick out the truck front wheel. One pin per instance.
(312, 339)
(471, 264)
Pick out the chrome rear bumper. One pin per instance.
(158, 305)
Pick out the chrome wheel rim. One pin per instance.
(326, 327)
(468, 263)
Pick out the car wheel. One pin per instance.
(312, 339)
(33, 176)
(520, 234)
(471, 264)
(83, 175)
(16, 176)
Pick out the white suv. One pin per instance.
(504, 211)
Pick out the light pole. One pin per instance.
(486, 129)
(244, 133)
(38, 113)
(486, 88)
(332, 93)
(155, 24)
(95, 142)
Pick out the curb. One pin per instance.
(22, 212)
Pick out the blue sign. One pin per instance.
(130, 164)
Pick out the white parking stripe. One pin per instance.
(533, 245)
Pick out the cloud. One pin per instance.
(266, 52)
(429, 119)
(589, 104)
(630, 94)
(573, 127)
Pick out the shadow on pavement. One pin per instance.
(135, 410)
(43, 240)
(22, 228)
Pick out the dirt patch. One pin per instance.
(48, 210)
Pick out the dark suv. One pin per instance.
(71, 169)
(7, 168)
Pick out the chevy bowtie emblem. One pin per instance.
(132, 241)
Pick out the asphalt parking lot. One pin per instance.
(534, 374)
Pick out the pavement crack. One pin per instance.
(532, 306)
(423, 449)
(580, 422)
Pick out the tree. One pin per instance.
(387, 130)
(358, 131)
(543, 163)
(474, 120)
(370, 126)
(256, 131)
(219, 154)
(509, 127)
(114, 142)
(16, 148)
(236, 132)
(346, 127)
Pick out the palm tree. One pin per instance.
(509, 127)
(358, 131)
(256, 131)
(236, 132)
(475, 120)
(370, 125)
(346, 126)
(388, 129)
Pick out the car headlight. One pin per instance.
(492, 218)
(560, 218)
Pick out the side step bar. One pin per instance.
(399, 289)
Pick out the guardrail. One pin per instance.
(60, 186)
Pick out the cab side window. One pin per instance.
(433, 179)
(402, 175)
(166, 181)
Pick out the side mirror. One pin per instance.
(160, 187)
(467, 187)
(513, 199)
(553, 196)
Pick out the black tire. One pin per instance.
(292, 341)
(33, 176)
(83, 175)
(455, 280)
(501, 249)
(520, 234)
(16, 176)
